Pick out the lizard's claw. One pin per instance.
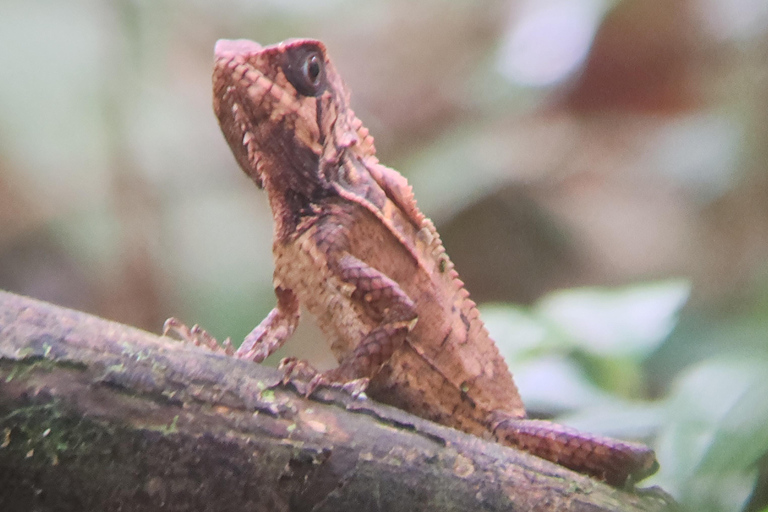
(297, 370)
(196, 335)
(356, 388)
(299, 373)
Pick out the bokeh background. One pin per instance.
(597, 170)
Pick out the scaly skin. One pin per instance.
(352, 246)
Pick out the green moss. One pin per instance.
(171, 428)
(44, 432)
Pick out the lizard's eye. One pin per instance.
(311, 69)
(305, 70)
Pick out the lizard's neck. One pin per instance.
(293, 197)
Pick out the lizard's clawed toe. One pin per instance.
(196, 335)
(307, 379)
(297, 369)
(356, 387)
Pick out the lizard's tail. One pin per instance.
(618, 463)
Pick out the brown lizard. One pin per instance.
(352, 246)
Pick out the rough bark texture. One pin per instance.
(96, 415)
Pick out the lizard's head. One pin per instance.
(283, 110)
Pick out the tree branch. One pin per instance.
(96, 415)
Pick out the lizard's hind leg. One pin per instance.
(386, 306)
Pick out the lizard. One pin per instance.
(351, 245)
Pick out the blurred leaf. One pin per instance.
(609, 333)
(710, 333)
(550, 382)
(632, 321)
(622, 376)
(742, 435)
(719, 491)
(619, 418)
(552, 385)
(717, 428)
(517, 330)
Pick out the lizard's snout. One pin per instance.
(229, 47)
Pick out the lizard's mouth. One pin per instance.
(230, 56)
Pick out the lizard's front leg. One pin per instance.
(274, 330)
(261, 342)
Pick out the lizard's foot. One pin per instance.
(296, 369)
(299, 370)
(196, 335)
(356, 388)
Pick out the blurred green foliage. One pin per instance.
(710, 429)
